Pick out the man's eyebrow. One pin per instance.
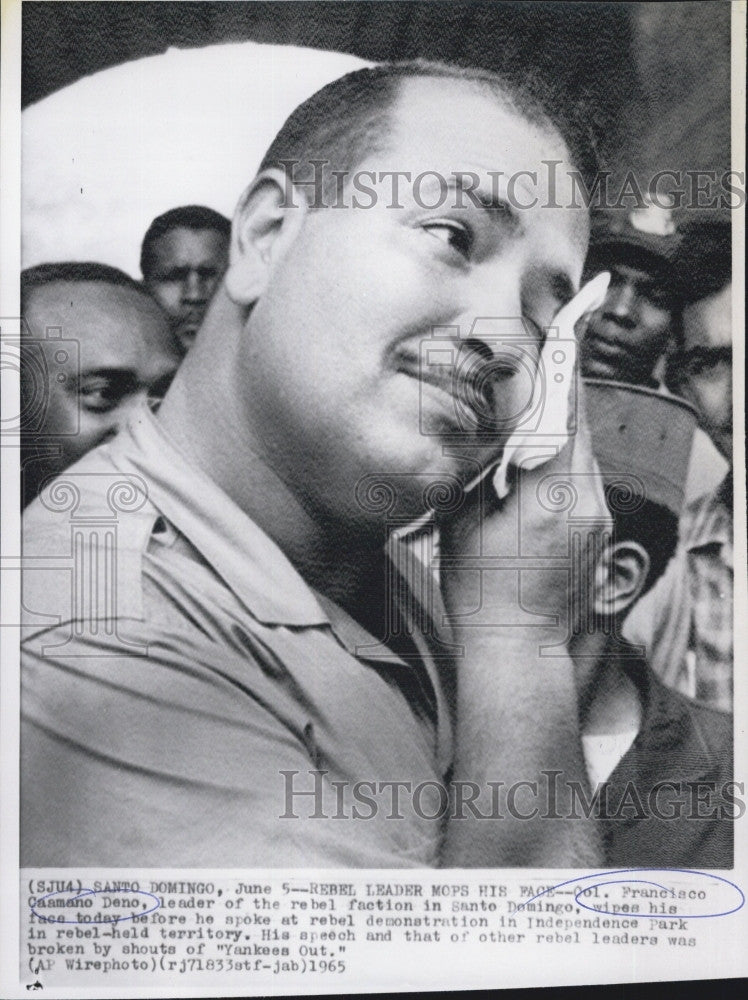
(110, 373)
(707, 351)
(172, 269)
(655, 283)
(490, 201)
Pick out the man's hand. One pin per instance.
(509, 571)
(568, 485)
(532, 531)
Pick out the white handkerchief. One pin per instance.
(546, 427)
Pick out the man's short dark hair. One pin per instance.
(345, 120)
(74, 271)
(705, 268)
(183, 217)
(655, 528)
(705, 258)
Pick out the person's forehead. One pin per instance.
(111, 323)
(708, 322)
(451, 121)
(183, 245)
(639, 271)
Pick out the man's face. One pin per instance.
(125, 353)
(187, 266)
(629, 334)
(336, 376)
(705, 366)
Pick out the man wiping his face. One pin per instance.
(273, 681)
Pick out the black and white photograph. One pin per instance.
(373, 495)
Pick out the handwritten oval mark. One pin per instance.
(667, 894)
(85, 908)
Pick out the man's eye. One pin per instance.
(708, 366)
(659, 297)
(169, 277)
(696, 366)
(100, 396)
(453, 234)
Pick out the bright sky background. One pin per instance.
(104, 156)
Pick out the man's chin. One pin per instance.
(608, 371)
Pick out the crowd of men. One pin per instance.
(124, 338)
(265, 652)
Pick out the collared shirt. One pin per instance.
(188, 700)
(671, 799)
(685, 623)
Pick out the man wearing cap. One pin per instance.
(627, 337)
(664, 761)
(687, 621)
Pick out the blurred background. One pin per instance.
(659, 72)
(656, 77)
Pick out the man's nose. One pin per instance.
(493, 315)
(621, 303)
(121, 414)
(497, 337)
(194, 288)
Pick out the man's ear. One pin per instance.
(266, 222)
(619, 578)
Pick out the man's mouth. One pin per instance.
(466, 387)
(191, 318)
(603, 357)
(188, 325)
(605, 348)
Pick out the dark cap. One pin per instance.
(644, 236)
(641, 439)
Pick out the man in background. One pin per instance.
(627, 337)
(182, 259)
(95, 346)
(647, 744)
(687, 621)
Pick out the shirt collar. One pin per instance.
(709, 520)
(247, 559)
(667, 724)
(262, 577)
